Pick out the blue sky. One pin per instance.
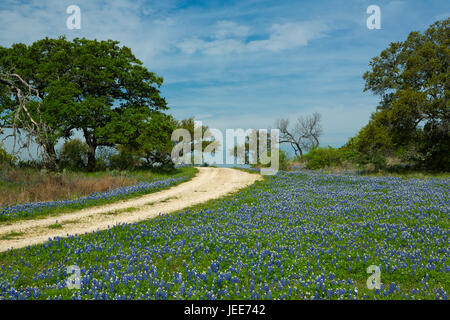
(242, 64)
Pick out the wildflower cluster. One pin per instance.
(296, 235)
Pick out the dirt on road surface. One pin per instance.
(209, 183)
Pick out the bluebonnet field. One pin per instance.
(35, 208)
(297, 235)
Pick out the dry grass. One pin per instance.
(21, 186)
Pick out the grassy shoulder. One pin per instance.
(176, 177)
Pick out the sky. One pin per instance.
(242, 64)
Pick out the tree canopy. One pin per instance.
(412, 80)
(96, 87)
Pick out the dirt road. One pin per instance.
(209, 183)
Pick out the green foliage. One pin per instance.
(103, 156)
(320, 158)
(412, 119)
(372, 144)
(93, 86)
(5, 157)
(43, 65)
(189, 125)
(124, 160)
(150, 140)
(154, 140)
(283, 161)
(74, 155)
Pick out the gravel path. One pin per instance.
(209, 183)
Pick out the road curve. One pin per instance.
(209, 183)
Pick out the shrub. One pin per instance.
(124, 160)
(283, 161)
(74, 155)
(5, 157)
(323, 157)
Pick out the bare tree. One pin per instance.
(254, 145)
(303, 135)
(26, 121)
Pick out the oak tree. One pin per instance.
(412, 80)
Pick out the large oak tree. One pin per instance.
(412, 79)
(105, 88)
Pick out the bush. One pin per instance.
(30, 164)
(346, 156)
(74, 155)
(101, 165)
(124, 160)
(373, 162)
(159, 160)
(320, 158)
(283, 161)
(5, 157)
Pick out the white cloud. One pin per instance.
(240, 64)
(289, 36)
(225, 46)
(225, 29)
(229, 37)
(141, 27)
(191, 46)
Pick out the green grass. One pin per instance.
(167, 199)
(248, 170)
(119, 211)
(11, 235)
(55, 226)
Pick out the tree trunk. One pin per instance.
(92, 162)
(92, 147)
(297, 148)
(50, 155)
(316, 142)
